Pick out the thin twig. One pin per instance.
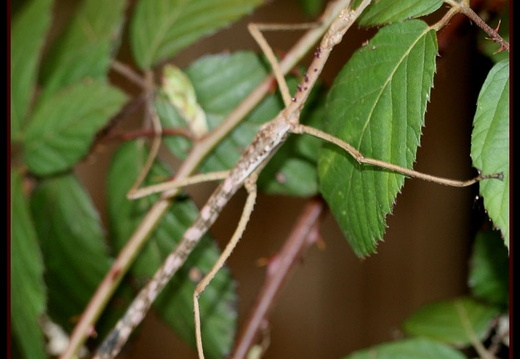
(166, 132)
(279, 269)
(465, 8)
(128, 73)
(151, 116)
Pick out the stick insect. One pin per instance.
(269, 138)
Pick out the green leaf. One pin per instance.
(377, 104)
(63, 127)
(221, 82)
(180, 93)
(174, 304)
(87, 47)
(72, 241)
(161, 28)
(28, 295)
(311, 7)
(489, 269)
(27, 38)
(389, 11)
(408, 349)
(458, 322)
(490, 144)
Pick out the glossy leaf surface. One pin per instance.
(161, 28)
(490, 145)
(63, 127)
(377, 105)
(87, 46)
(389, 11)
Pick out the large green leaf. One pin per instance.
(377, 104)
(161, 28)
(489, 269)
(63, 127)
(27, 37)
(457, 322)
(390, 11)
(408, 349)
(73, 245)
(221, 82)
(175, 302)
(28, 294)
(490, 144)
(86, 48)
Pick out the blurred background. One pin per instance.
(336, 303)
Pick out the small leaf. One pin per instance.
(457, 322)
(72, 242)
(389, 11)
(377, 104)
(63, 127)
(490, 145)
(489, 269)
(28, 34)
(28, 294)
(87, 46)
(161, 28)
(408, 349)
(174, 304)
(180, 93)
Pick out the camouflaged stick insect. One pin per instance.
(269, 138)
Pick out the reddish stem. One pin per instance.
(304, 233)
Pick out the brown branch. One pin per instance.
(493, 33)
(128, 73)
(456, 22)
(278, 271)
